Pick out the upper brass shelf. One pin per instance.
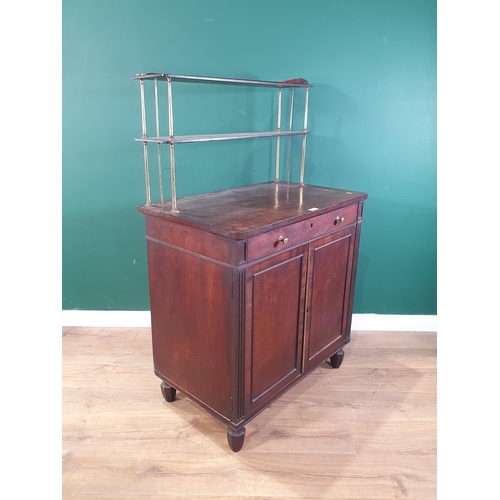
(296, 82)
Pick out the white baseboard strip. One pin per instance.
(394, 322)
(131, 319)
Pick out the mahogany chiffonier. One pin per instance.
(251, 288)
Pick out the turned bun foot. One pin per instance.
(168, 392)
(337, 358)
(235, 438)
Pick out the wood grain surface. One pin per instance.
(364, 431)
(246, 211)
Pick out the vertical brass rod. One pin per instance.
(289, 157)
(172, 178)
(278, 129)
(170, 108)
(303, 160)
(146, 164)
(171, 134)
(158, 145)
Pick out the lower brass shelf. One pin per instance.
(181, 139)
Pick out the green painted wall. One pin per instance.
(372, 119)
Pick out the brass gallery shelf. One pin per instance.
(171, 139)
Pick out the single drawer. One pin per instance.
(301, 232)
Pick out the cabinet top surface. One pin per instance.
(249, 210)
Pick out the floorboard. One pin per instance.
(364, 431)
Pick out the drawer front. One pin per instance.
(292, 235)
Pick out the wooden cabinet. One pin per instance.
(251, 289)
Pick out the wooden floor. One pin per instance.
(365, 431)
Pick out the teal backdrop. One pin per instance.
(372, 118)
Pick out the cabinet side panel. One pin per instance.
(191, 324)
(211, 246)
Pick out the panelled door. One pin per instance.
(274, 325)
(328, 291)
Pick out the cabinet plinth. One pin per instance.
(251, 289)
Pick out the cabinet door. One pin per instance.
(328, 293)
(274, 324)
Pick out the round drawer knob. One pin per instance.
(338, 219)
(283, 240)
